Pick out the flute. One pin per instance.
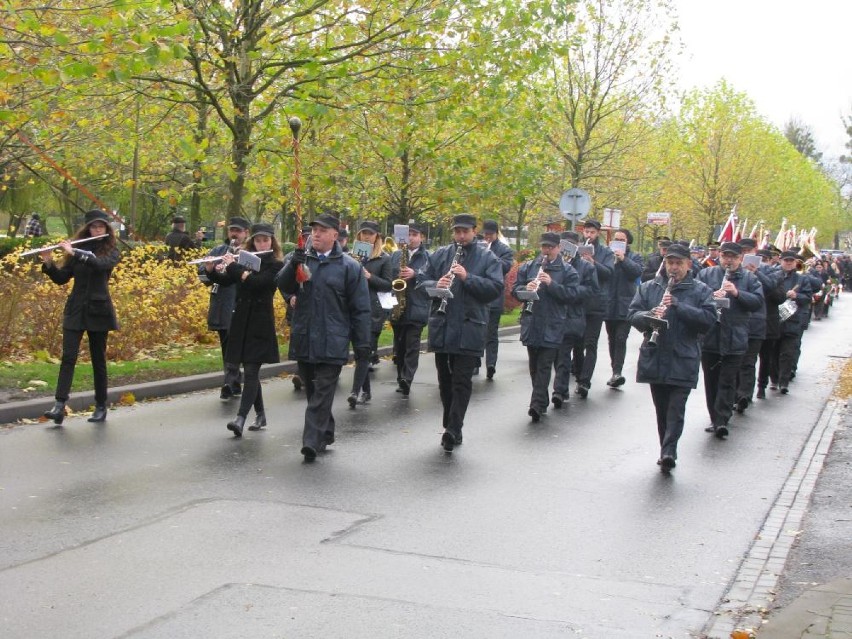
(53, 247)
(216, 258)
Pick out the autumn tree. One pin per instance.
(801, 137)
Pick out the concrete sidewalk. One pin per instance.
(824, 611)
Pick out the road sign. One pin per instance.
(575, 204)
(659, 219)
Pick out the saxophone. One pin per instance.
(399, 286)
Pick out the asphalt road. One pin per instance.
(159, 524)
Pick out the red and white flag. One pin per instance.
(730, 228)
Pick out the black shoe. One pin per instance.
(741, 405)
(57, 413)
(490, 372)
(557, 400)
(615, 381)
(259, 422)
(236, 389)
(99, 415)
(761, 393)
(582, 389)
(721, 431)
(448, 442)
(352, 399)
(236, 426)
(365, 397)
(309, 453)
(404, 387)
(226, 393)
(458, 440)
(710, 429)
(667, 462)
(536, 416)
(297, 382)
(784, 390)
(328, 438)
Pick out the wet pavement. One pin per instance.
(159, 524)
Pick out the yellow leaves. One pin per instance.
(127, 399)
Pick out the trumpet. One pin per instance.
(659, 322)
(442, 308)
(53, 247)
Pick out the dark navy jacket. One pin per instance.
(676, 357)
(544, 327)
(333, 308)
(796, 324)
(623, 285)
(729, 336)
(575, 323)
(223, 299)
(461, 330)
(417, 302)
(604, 267)
(506, 257)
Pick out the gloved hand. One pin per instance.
(299, 256)
(362, 352)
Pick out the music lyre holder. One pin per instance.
(722, 302)
(526, 295)
(439, 293)
(657, 322)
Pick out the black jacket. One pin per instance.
(461, 330)
(89, 306)
(575, 321)
(223, 295)
(652, 265)
(417, 302)
(506, 257)
(379, 282)
(251, 336)
(604, 267)
(729, 336)
(544, 327)
(770, 280)
(796, 324)
(623, 285)
(333, 308)
(676, 357)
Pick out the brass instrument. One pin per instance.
(399, 285)
(53, 247)
(442, 308)
(659, 322)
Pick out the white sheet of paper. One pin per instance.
(387, 300)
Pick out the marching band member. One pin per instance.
(223, 297)
(252, 341)
(333, 308)
(543, 320)
(712, 258)
(654, 265)
(575, 323)
(724, 345)
(586, 356)
(774, 295)
(408, 324)
(88, 309)
(506, 257)
(626, 271)
(377, 272)
(457, 326)
(797, 287)
(669, 357)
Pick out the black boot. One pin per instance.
(259, 422)
(57, 413)
(99, 415)
(237, 425)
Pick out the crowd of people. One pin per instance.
(734, 311)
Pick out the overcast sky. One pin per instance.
(794, 59)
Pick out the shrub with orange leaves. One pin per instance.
(158, 302)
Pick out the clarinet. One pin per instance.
(442, 309)
(655, 334)
(528, 307)
(719, 308)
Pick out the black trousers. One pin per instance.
(491, 336)
(252, 393)
(361, 376)
(670, 406)
(586, 355)
(232, 371)
(720, 385)
(455, 373)
(562, 365)
(746, 377)
(70, 351)
(788, 357)
(406, 349)
(540, 361)
(617, 332)
(768, 370)
(320, 383)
